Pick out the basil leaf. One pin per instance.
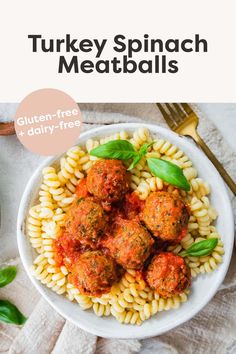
(115, 149)
(134, 162)
(202, 248)
(168, 172)
(142, 151)
(7, 275)
(9, 313)
(144, 148)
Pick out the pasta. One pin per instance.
(171, 153)
(34, 224)
(55, 192)
(117, 136)
(140, 137)
(52, 277)
(130, 300)
(148, 185)
(69, 164)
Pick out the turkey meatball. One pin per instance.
(168, 274)
(94, 273)
(86, 221)
(130, 244)
(166, 216)
(108, 180)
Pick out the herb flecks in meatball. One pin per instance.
(166, 216)
(130, 244)
(108, 180)
(168, 274)
(94, 273)
(86, 221)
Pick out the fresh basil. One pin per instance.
(168, 172)
(7, 275)
(144, 148)
(202, 248)
(9, 313)
(121, 150)
(115, 149)
(135, 161)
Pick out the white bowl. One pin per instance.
(203, 288)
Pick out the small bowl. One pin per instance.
(203, 288)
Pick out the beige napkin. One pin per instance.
(213, 330)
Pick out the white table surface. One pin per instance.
(17, 164)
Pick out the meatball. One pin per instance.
(86, 221)
(130, 244)
(166, 216)
(168, 274)
(108, 180)
(94, 273)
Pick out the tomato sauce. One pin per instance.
(129, 208)
(81, 189)
(132, 205)
(67, 250)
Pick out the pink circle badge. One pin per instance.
(48, 122)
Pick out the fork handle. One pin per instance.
(215, 162)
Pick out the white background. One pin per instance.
(201, 78)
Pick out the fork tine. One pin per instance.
(168, 120)
(186, 108)
(174, 114)
(180, 112)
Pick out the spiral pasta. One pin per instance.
(34, 223)
(101, 310)
(70, 171)
(148, 185)
(117, 136)
(130, 300)
(92, 144)
(140, 137)
(73, 294)
(45, 197)
(53, 277)
(70, 163)
(171, 153)
(51, 192)
(199, 187)
(59, 217)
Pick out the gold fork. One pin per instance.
(182, 120)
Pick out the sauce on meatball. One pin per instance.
(94, 273)
(67, 249)
(166, 216)
(168, 274)
(108, 181)
(86, 221)
(81, 189)
(130, 244)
